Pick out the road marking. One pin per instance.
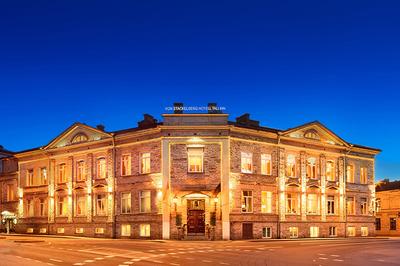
(128, 262)
(99, 258)
(79, 263)
(322, 258)
(174, 264)
(56, 260)
(89, 260)
(335, 255)
(321, 254)
(110, 256)
(337, 260)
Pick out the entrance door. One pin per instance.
(247, 230)
(195, 217)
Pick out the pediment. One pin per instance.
(78, 133)
(315, 132)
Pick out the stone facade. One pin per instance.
(196, 176)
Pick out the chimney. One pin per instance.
(147, 122)
(178, 108)
(213, 109)
(246, 121)
(100, 127)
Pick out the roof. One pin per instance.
(386, 185)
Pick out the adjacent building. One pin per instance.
(387, 208)
(197, 176)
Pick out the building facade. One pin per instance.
(197, 176)
(387, 208)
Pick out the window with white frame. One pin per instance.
(291, 203)
(351, 231)
(30, 208)
(195, 159)
(145, 201)
(80, 205)
(10, 192)
(101, 168)
(364, 231)
(62, 206)
(363, 175)
(330, 171)
(62, 177)
(145, 162)
(314, 231)
(144, 230)
(350, 174)
(99, 230)
(293, 232)
(364, 206)
(80, 171)
(266, 201)
(43, 176)
(247, 201)
(350, 205)
(246, 162)
(267, 232)
(332, 231)
(378, 205)
(101, 202)
(266, 168)
(125, 202)
(29, 178)
(311, 168)
(291, 166)
(330, 201)
(42, 207)
(312, 204)
(126, 164)
(125, 230)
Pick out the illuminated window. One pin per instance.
(378, 205)
(99, 230)
(195, 160)
(126, 164)
(291, 166)
(312, 204)
(266, 201)
(101, 201)
(331, 205)
(101, 168)
(363, 175)
(125, 230)
(364, 231)
(144, 230)
(145, 163)
(60, 230)
(247, 201)
(62, 178)
(43, 176)
(311, 134)
(311, 168)
(293, 232)
(350, 205)
(10, 192)
(30, 208)
(378, 224)
(332, 231)
(79, 230)
(330, 171)
(266, 164)
(126, 202)
(350, 174)
(351, 231)
(79, 138)
(80, 171)
(393, 223)
(145, 201)
(291, 203)
(314, 231)
(62, 206)
(81, 205)
(363, 206)
(29, 178)
(267, 232)
(42, 207)
(246, 162)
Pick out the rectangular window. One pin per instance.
(332, 231)
(330, 171)
(126, 203)
(81, 205)
(363, 206)
(378, 224)
(266, 164)
(43, 230)
(331, 205)
(10, 192)
(43, 176)
(267, 232)
(378, 205)
(363, 175)
(314, 231)
(144, 230)
(311, 168)
(350, 174)
(60, 230)
(101, 201)
(101, 168)
(125, 230)
(393, 224)
(291, 203)
(80, 171)
(364, 231)
(195, 160)
(145, 167)
(126, 164)
(62, 206)
(145, 201)
(350, 205)
(30, 208)
(79, 230)
(62, 178)
(293, 232)
(29, 178)
(246, 162)
(99, 230)
(291, 166)
(312, 204)
(42, 207)
(266, 201)
(351, 231)
(247, 201)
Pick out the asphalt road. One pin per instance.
(35, 251)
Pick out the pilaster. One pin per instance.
(282, 184)
(342, 189)
(303, 177)
(322, 164)
(51, 187)
(89, 178)
(165, 188)
(69, 173)
(110, 185)
(225, 204)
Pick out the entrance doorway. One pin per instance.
(195, 217)
(247, 230)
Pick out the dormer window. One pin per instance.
(311, 134)
(80, 137)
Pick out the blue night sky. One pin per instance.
(285, 62)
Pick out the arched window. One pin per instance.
(80, 137)
(311, 134)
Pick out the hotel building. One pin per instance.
(387, 208)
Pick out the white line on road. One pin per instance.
(335, 255)
(176, 264)
(56, 260)
(337, 260)
(89, 261)
(99, 258)
(322, 258)
(128, 262)
(79, 263)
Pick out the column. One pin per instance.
(282, 184)
(225, 204)
(165, 189)
(303, 177)
(89, 176)
(342, 190)
(51, 187)
(69, 172)
(110, 185)
(322, 163)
